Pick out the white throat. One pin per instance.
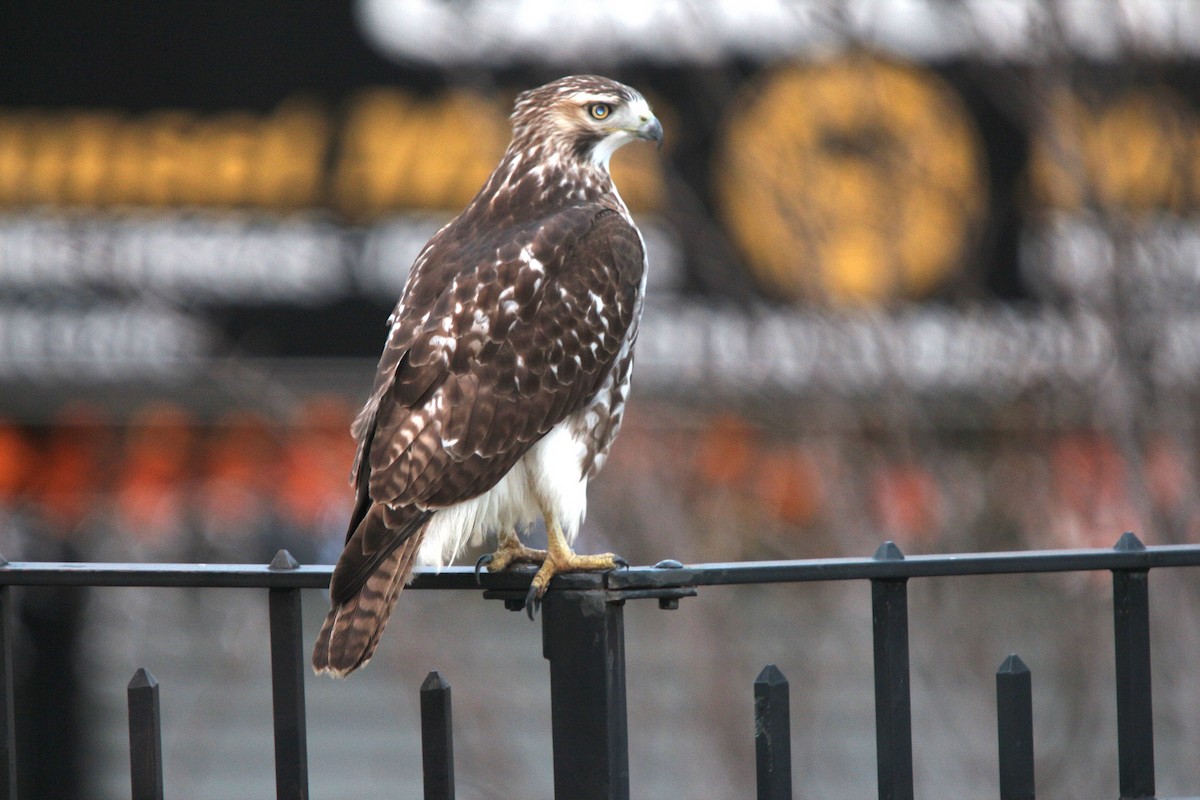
(610, 144)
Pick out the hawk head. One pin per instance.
(587, 117)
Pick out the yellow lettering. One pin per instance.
(93, 137)
(1131, 154)
(375, 145)
(165, 136)
(393, 151)
(126, 170)
(299, 135)
(1140, 152)
(13, 157)
(225, 144)
(48, 162)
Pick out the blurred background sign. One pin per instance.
(502, 32)
(180, 188)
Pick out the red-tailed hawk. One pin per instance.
(505, 374)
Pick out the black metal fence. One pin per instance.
(583, 639)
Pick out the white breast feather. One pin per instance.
(549, 476)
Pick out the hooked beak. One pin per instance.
(651, 130)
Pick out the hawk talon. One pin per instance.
(533, 602)
(483, 561)
(555, 565)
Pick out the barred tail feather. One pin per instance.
(352, 629)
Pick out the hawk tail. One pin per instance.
(352, 628)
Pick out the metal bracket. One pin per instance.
(668, 596)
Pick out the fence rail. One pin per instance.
(583, 638)
(1128, 554)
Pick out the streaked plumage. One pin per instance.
(506, 370)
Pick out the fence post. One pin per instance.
(145, 737)
(1131, 640)
(893, 703)
(8, 747)
(772, 735)
(437, 739)
(287, 687)
(1014, 729)
(583, 637)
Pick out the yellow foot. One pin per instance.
(558, 561)
(509, 551)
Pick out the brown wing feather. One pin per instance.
(352, 628)
(374, 539)
(542, 355)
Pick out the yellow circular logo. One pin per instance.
(853, 181)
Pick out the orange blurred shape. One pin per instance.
(240, 468)
(726, 451)
(242, 448)
(157, 467)
(326, 416)
(317, 460)
(1088, 472)
(159, 443)
(907, 501)
(1093, 497)
(788, 486)
(1167, 474)
(16, 462)
(76, 465)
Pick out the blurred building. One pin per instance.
(901, 244)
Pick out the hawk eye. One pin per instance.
(599, 110)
